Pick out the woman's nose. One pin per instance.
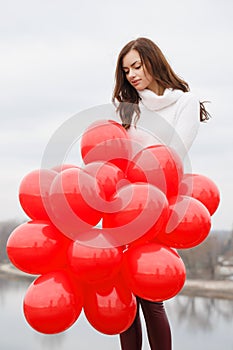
(131, 73)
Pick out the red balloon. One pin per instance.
(110, 307)
(92, 263)
(108, 175)
(158, 165)
(74, 201)
(141, 212)
(33, 193)
(201, 188)
(154, 272)
(106, 140)
(52, 303)
(37, 247)
(62, 167)
(188, 225)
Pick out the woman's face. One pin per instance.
(136, 72)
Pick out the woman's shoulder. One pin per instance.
(188, 100)
(188, 96)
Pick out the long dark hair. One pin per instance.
(158, 67)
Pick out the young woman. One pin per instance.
(144, 81)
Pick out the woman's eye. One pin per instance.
(136, 67)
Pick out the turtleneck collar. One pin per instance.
(155, 102)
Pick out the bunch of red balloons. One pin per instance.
(147, 207)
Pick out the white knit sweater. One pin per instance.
(172, 119)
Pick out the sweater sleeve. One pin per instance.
(186, 125)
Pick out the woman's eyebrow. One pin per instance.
(132, 64)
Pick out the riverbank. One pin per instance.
(209, 289)
(10, 270)
(221, 289)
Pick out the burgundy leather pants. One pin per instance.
(158, 329)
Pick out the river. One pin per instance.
(196, 323)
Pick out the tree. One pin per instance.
(6, 227)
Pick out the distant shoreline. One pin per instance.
(217, 289)
(10, 270)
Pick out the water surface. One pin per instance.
(196, 323)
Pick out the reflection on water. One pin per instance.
(202, 313)
(197, 323)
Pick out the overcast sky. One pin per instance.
(58, 58)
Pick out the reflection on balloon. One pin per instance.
(141, 214)
(108, 176)
(106, 140)
(37, 247)
(33, 193)
(158, 165)
(74, 200)
(94, 264)
(188, 225)
(110, 307)
(154, 272)
(202, 188)
(52, 304)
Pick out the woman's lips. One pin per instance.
(135, 82)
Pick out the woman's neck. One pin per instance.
(156, 88)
